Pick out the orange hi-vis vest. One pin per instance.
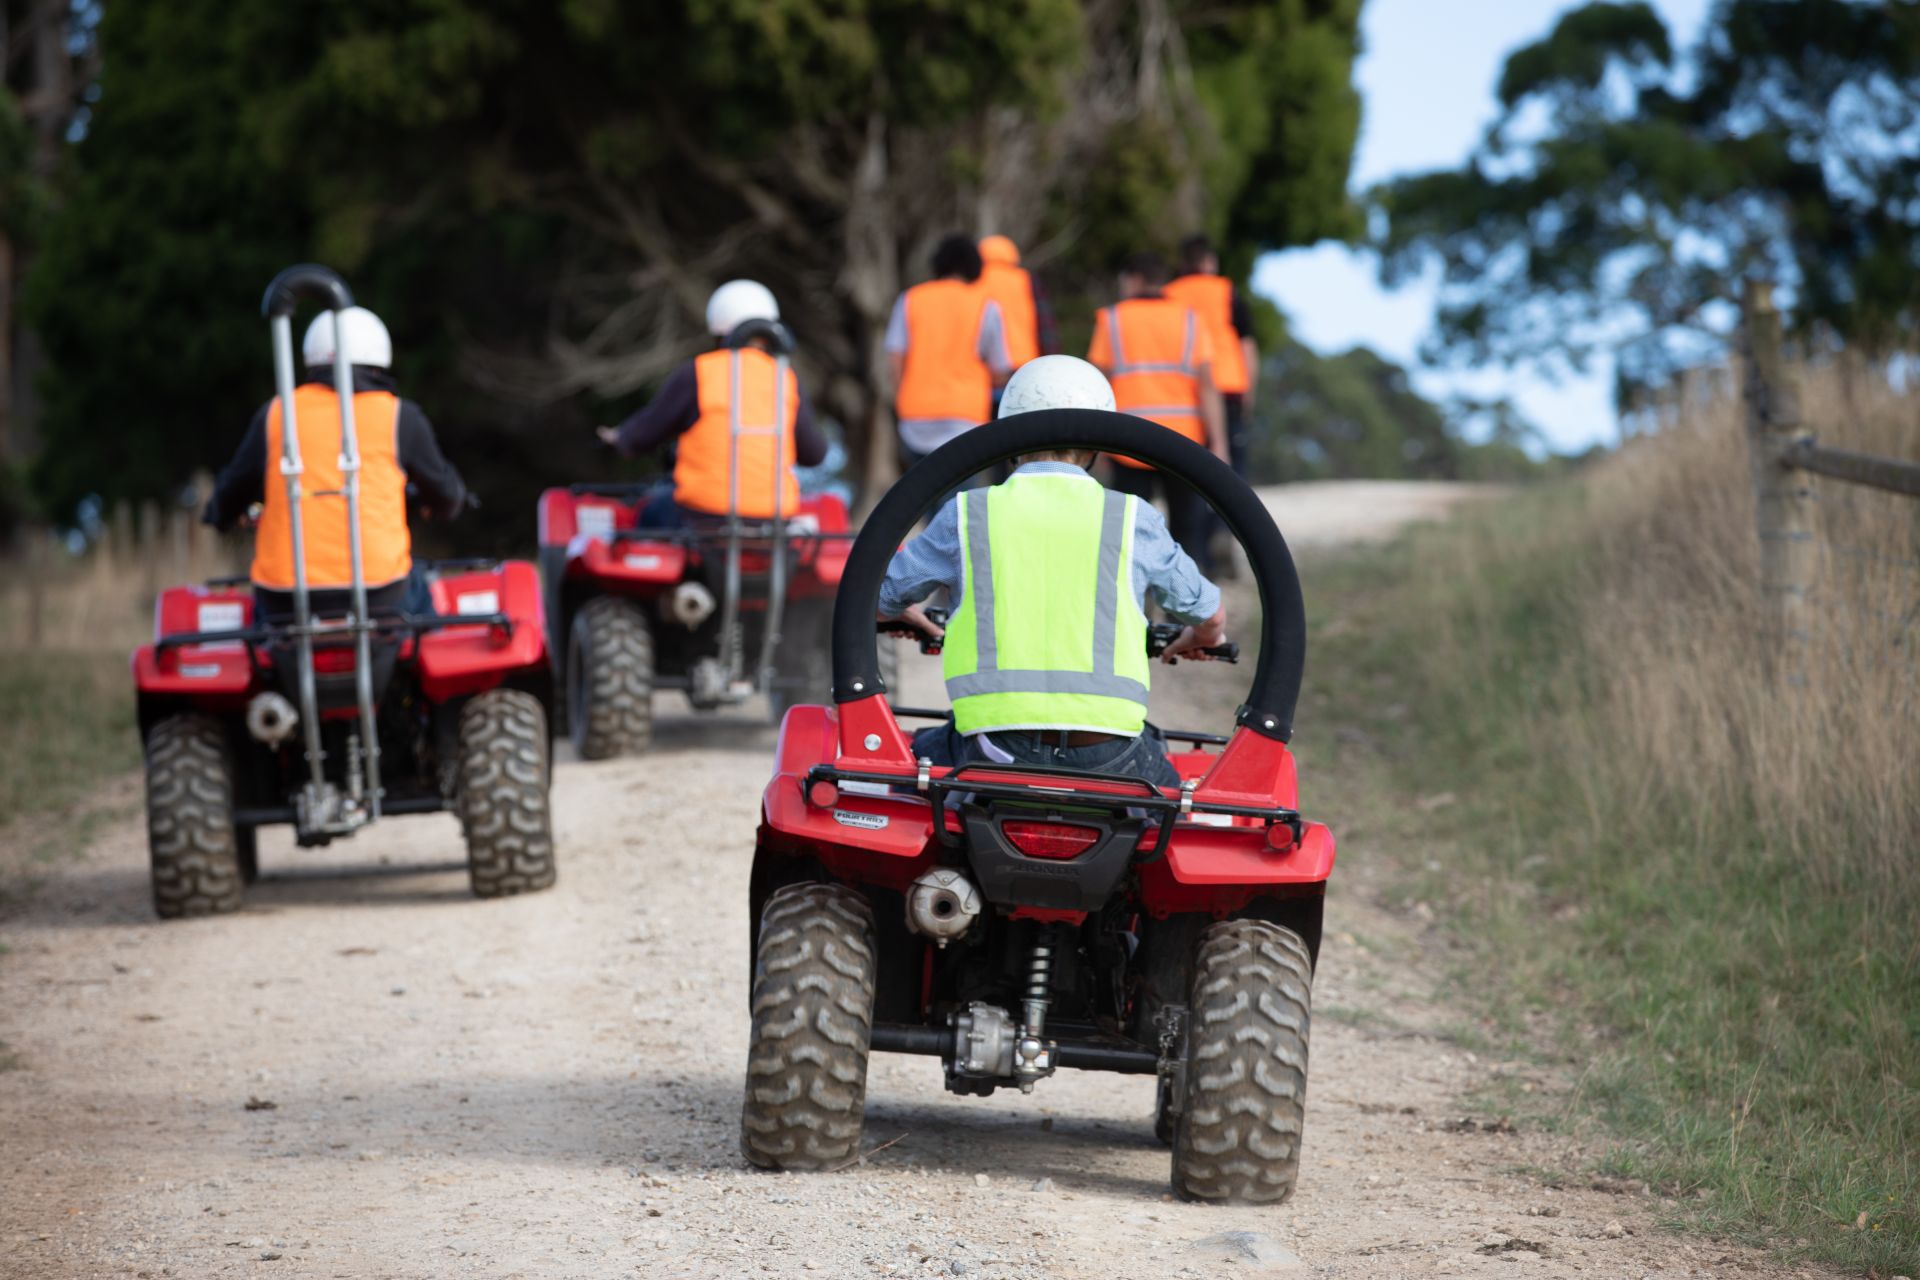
(1211, 298)
(945, 378)
(386, 548)
(1008, 284)
(1152, 350)
(711, 458)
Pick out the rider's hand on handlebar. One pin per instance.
(609, 436)
(1193, 642)
(915, 616)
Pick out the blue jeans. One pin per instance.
(1141, 757)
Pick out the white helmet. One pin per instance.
(1056, 382)
(738, 301)
(366, 338)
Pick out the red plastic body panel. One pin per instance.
(222, 674)
(1212, 864)
(641, 564)
(460, 660)
(582, 523)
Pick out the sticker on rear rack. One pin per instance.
(865, 821)
(200, 670)
(469, 604)
(643, 562)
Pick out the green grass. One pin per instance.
(66, 722)
(1744, 1030)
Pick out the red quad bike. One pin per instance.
(717, 613)
(333, 722)
(1013, 920)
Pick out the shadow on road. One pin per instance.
(676, 1125)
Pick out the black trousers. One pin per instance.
(1239, 436)
(1189, 518)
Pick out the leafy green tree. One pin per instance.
(541, 195)
(1622, 196)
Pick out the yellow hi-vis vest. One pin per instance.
(1048, 633)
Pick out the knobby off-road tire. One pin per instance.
(610, 680)
(191, 840)
(813, 978)
(504, 805)
(1238, 1139)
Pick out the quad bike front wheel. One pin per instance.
(1237, 1139)
(813, 982)
(191, 841)
(610, 680)
(504, 777)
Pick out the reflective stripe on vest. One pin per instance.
(386, 549)
(1048, 634)
(945, 378)
(1011, 287)
(1211, 298)
(707, 464)
(1154, 375)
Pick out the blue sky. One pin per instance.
(1426, 75)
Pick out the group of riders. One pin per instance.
(1038, 571)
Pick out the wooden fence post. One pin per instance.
(1785, 503)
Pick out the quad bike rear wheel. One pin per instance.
(504, 776)
(194, 849)
(610, 679)
(1237, 1139)
(813, 984)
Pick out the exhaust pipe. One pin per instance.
(690, 604)
(271, 718)
(942, 905)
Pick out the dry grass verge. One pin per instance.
(1660, 835)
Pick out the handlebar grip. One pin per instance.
(308, 279)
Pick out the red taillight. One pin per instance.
(1279, 837)
(331, 662)
(823, 794)
(1049, 839)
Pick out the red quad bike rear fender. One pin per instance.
(456, 661)
(859, 834)
(215, 677)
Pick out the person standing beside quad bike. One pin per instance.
(1025, 612)
(1159, 354)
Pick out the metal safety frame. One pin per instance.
(732, 644)
(319, 807)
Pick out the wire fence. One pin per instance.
(1839, 528)
(64, 591)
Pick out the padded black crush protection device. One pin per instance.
(1283, 621)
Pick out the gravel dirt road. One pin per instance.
(367, 1073)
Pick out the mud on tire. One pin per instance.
(610, 679)
(191, 840)
(503, 776)
(1238, 1138)
(813, 980)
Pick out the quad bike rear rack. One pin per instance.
(1120, 792)
(405, 624)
